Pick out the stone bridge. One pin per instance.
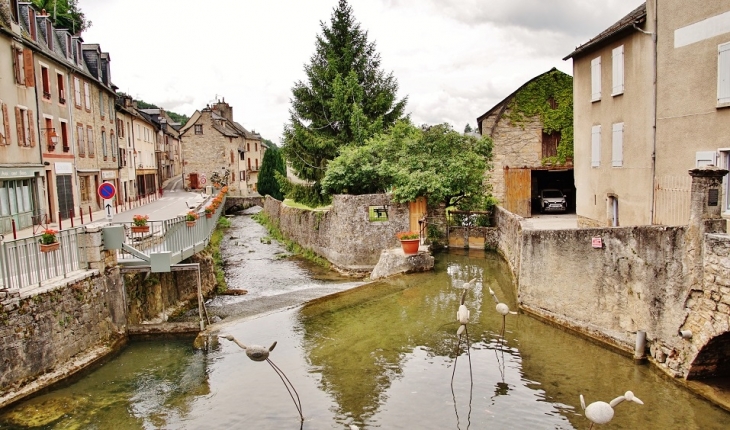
(234, 203)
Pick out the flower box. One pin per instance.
(190, 223)
(140, 229)
(208, 215)
(50, 247)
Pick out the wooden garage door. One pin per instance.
(517, 187)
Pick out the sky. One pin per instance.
(453, 59)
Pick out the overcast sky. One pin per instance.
(454, 59)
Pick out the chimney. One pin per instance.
(224, 109)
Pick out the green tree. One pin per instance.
(434, 162)
(65, 14)
(272, 163)
(468, 128)
(345, 99)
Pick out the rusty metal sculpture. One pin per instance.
(261, 353)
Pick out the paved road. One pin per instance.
(551, 222)
(172, 203)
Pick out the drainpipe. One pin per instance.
(654, 107)
(640, 349)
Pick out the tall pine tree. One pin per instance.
(272, 163)
(345, 100)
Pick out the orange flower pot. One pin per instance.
(410, 246)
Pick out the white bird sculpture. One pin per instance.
(462, 315)
(261, 353)
(602, 412)
(502, 308)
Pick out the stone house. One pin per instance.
(215, 146)
(532, 134)
(652, 101)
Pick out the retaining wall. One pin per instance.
(343, 234)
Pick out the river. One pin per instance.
(382, 355)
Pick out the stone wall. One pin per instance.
(46, 328)
(635, 281)
(509, 237)
(343, 234)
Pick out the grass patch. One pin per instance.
(292, 204)
(215, 251)
(290, 246)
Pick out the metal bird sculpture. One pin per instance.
(502, 309)
(462, 316)
(602, 412)
(261, 353)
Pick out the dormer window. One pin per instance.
(14, 10)
(32, 24)
(69, 46)
(49, 34)
(78, 52)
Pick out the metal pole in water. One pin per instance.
(640, 350)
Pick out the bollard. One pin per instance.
(71, 217)
(90, 218)
(60, 220)
(15, 233)
(640, 349)
(81, 214)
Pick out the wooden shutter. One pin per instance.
(723, 73)
(617, 157)
(596, 79)
(31, 129)
(19, 125)
(618, 70)
(596, 146)
(6, 124)
(28, 64)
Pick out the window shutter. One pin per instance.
(596, 79)
(28, 64)
(596, 146)
(705, 158)
(6, 123)
(617, 159)
(723, 73)
(31, 129)
(19, 125)
(618, 71)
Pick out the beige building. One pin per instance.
(21, 166)
(216, 148)
(627, 173)
(144, 135)
(525, 155)
(125, 115)
(167, 144)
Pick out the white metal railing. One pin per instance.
(22, 264)
(174, 235)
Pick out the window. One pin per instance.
(101, 104)
(85, 188)
(596, 79)
(111, 109)
(64, 136)
(24, 124)
(60, 81)
(87, 96)
(49, 34)
(78, 51)
(90, 141)
(725, 163)
(32, 24)
(618, 71)
(256, 146)
(241, 155)
(232, 157)
(617, 141)
(103, 143)
(596, 146)
(248, 146)
(249, 164)
(113, 144)
(723, 74)
(80, 140)
(69, 46)
(4, 124)
(23, 66)
(77, 92)
(48, 128)
(242, 175)
(46, 81)
(198, 128)
(257, 164)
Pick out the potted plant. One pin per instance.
(209, 211)
(224, 189)
(49, 242)
(190, 218)
(139, 224)
(409, 241)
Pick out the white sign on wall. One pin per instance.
(64, 168)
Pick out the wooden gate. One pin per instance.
(517, 191)
(417, 210)
(193, 181)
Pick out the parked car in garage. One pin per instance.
(552, 200)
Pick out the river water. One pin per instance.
(383, 355)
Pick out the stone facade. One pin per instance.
(343, 234)
(213, 143)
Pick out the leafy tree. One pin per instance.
(345, 99)
(434, 162)
(468, 128)
(65, 14)
(272, 163)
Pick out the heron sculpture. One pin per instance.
(602, 412)
(502, 309)
(462, 317)
(261, 353)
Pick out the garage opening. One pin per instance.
(558, 179)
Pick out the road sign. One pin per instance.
(202, 180)
(107, 190)
(108, 206)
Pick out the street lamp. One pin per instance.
(52, 136)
